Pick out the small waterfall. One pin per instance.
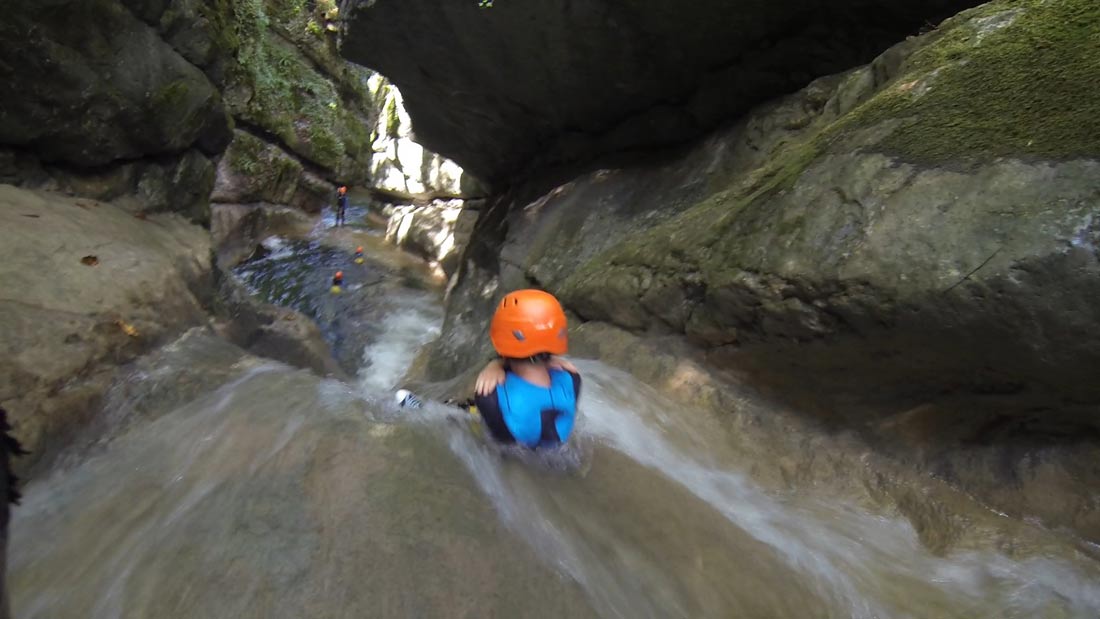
(279, 494)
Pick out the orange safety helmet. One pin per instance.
(343, 189)
(527, 323)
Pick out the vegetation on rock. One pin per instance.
(1019, 79)
(1007, 79)
(318, 114)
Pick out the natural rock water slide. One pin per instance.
(274, 493)
(832, 271)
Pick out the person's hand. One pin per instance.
(489, 378)
(562, 364)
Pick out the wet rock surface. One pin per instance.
(274, 332)
(87, 286)
(337, 503)
(272, 494)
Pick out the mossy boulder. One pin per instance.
(1009, 79)
(257, 171)
(313, 193)
(903, 213)
(291, 85)
(182, 186)
(252, 170)
(201, 31)
(88, 83)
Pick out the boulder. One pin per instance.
(87, 286)
(274, 332)
(236, 230)
(252, 170)
(942, 261)
(87, 84)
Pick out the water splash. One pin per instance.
(413, 320)
(849, 562)
(274, 495)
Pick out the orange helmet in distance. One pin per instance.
(527, 323)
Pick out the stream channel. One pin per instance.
(265, 491)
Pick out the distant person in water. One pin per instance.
(341, 205)
(529, 395)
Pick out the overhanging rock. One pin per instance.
(555, 81)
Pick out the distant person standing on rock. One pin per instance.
(341, 205)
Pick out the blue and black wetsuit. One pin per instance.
(521, 412)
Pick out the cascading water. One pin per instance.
(279, 494)
(694, 538)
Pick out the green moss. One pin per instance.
(291, 100)
(325, 145)
(220, 18)
(1011, 78)
(286, 10)
(278, 54)
(357, 135)
(251, 20)
(393, 119)
(694, 240)
(170, 97)
(245, 154)
(265, 164)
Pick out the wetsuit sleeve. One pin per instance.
(489, 408)
(576, 385)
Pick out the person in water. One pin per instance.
(341, 205)
(529, 395)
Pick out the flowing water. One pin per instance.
(278, 494)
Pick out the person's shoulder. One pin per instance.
(562, 373)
